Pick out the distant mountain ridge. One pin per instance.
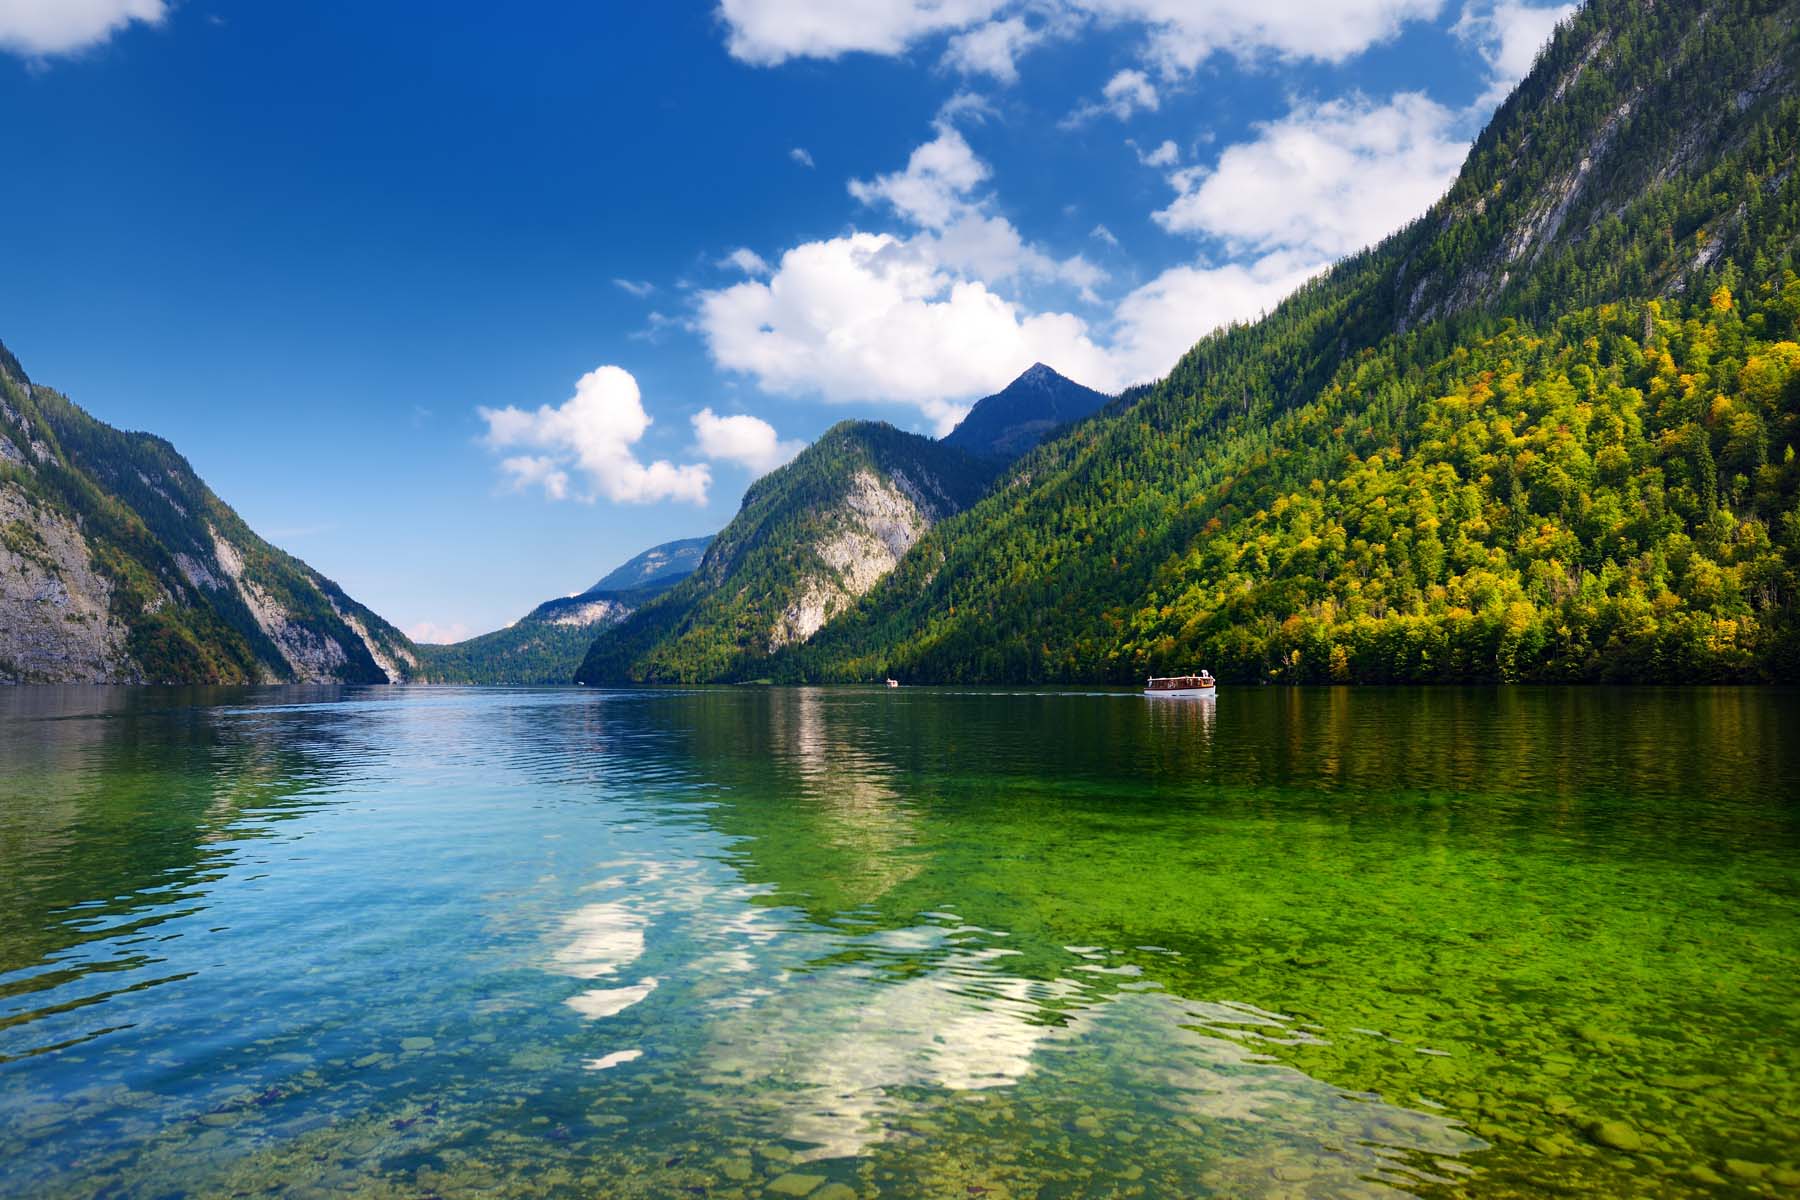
(1022, 414)
(669, 562)
(547, 644)
(119, 565)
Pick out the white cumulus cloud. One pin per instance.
(1125, 93)
(801, 155)
(937, 192)
(1165, 155)
(1325, 180)
(993, 49)
(931, 191)
(1159, 322)
(1509, 35)
(744, 439)
(590, 437)
(875, 318)
(768, 32)
(40, 28)
(987, 36)
(1184, 33)
(928, 317)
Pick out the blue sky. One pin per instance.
(464, 304)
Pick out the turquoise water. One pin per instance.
(836, 943)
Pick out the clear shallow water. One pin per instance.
(433, 942)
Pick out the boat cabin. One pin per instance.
(1180, 683)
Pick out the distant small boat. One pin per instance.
(1178, 686)
(893, 683)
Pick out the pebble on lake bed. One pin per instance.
(793, 1184)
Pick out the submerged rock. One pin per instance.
(1616, 1135)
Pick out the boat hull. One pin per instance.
(1183, 693)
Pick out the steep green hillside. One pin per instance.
(118, 564)
(809, 538)
(1476, 451)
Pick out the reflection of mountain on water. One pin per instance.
(116, 807)
(903, 1047)
(854, 1015)
(1429, 883)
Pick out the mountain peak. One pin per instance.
(1022, 414)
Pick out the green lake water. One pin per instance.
(855, 943)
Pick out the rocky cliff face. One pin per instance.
(809, 541)
(882, 519)
(56, 616)
(119, 565)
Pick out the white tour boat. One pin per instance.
(1182, 686)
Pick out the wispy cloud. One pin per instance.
(636, 287)
(746, 260)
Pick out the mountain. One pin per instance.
(1546, 432)
(1013, 420)
(668, 563)
(119, 565)
(547, 644)
(809, 538)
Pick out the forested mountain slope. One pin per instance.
(1545, 432)
(119, 565)
(809, 539)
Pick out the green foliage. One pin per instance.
(1460, 454)
(1571, 506)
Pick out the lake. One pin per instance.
(434, 942)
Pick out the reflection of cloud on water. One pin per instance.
(605, 938)
(923, 1033)
(864, 1040)
(608, 1061)
(843, 1060)
(604, 1002)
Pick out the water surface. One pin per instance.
(846, 943)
